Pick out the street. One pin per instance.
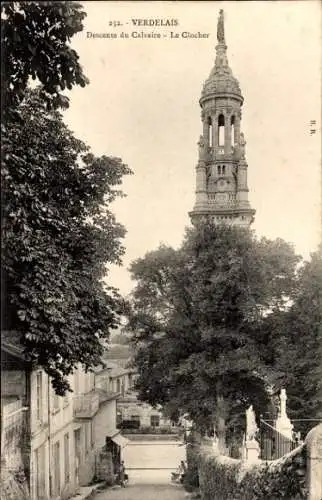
(149, 466)
(144, 491)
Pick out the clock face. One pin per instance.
(221, 185)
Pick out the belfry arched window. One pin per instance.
(210, 133)
(232, 130)
(221, 130)
(223, 170)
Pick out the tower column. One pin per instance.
(237, 128)
(227, 134)
(216, 130)
(201, 186)
(201, 177)
(242, 188)
(205, 127)
(242, 176)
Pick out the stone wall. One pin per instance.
(314, 463)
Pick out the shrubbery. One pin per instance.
(191, 479)
(223, 478)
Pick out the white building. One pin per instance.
(57, 441)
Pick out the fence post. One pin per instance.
(313, 444)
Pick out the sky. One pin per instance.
(142, 105)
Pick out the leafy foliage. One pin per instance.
(197, 315)
(223, 477)
(35, 40)
(58, 236)
(295, 338)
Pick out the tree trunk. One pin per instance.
(220, 423)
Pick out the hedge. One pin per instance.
(223, 478)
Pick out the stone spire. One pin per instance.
(221, 172)
(221, 62)
(221, 28)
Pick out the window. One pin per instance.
(56, 466)
(118, 385)
(92, 434)
(223, 170)
(40, 480)
(118, 419)
(210, 132)
(155, 420)
(136, 418)
(86, 436)
(221, 130)
(39, 408)
(219, 170)
(66, 455)
(232, 130)
(77, 451)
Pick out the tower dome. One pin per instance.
(221, 79)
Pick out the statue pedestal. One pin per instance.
(252, 451)
(284, 426)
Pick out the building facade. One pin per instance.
(56, 442)
(221, 172)
(130, 409)
(115, 378)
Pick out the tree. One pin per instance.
(197, 315)
(295, 338)
(35, 40)
(58, 237)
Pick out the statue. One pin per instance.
(283, 424)
(251, 426)
(220, 27)
(283, 397)
(242, 145)
(251, 446)
(201, 144)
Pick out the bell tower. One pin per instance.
(221, 171)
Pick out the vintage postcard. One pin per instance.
(143, 333)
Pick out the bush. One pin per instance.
(223, 478)
(191, 478)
